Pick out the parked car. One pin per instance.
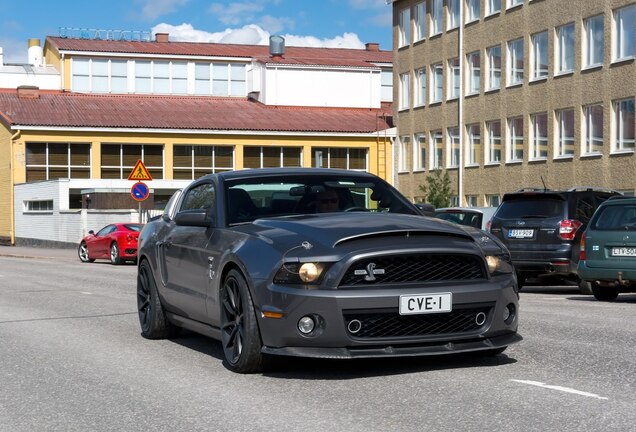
(542, 229)
(116, 242)
(608, 249)
(477, 217)
(246, 258)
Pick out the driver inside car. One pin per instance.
(327, 201)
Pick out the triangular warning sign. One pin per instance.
(139, 172)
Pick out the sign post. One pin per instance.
(140, 190)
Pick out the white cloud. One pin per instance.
(235, 13)
(153, 9)
(276, 25)
(367, 4)
(253, 34)
(15, 51)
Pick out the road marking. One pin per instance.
(559, 388)
(87, 293)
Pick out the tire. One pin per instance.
(152, 317)
(585, 287)
(240, 337)
(82, 253)
(604, 293)
(114, 254)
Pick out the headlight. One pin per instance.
(498, 264)
(301, 273)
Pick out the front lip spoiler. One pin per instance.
(398, 351)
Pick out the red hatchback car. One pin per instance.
(116, 242)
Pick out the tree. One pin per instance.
(438, 189)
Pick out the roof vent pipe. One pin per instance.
(35, 52)
(276, 46)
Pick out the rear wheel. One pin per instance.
(152, 317)
(82, 253)
(604, 293)
(239, 330)
(114, 254)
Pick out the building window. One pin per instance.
(472, 7)
(493, 7)
(143, 77)
(437, 86)
(623, 125)
(118, 160)
(193, 161)
(623, 28)
(337, 157)
(593, 41)
(405, 91)
(420, 21)
(419, 152)
(405, 27)
(565, 132)
(565, 48)
(471, 200)
(437, 13)
(539, 55)
(454, 201)
(515, 139)
(514, 65)
(539, 138)
(474, 72)
(513, 3)
(405, 143)
(99, 75)
(474, 143)
(50, 161)
(220, 79)
(453, 147)
(493, 145)
(453, 14)
(119, 76)
(494, 68)
(272, 157)
(420, 87)
(386, 78)
(593, 129)
(38, 206)
(454, 77)
(493, 200)
(437, 149)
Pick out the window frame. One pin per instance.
(405, 91)
(452, 146)
(618, 36)
(493, 145)
(420, 87)
(474, 73)
(437, 18)
(564, 143)
(436, 145)
(420, 24)
(513, 57)
(419, 152)
(437, 83)
(493, 72)
(538, 50)
(620, 144)
(454, 78)
(473, 144)
(472, 6)
(564, 48)
(589, 39)
(514, 140)
(404, 30)
(590, 143)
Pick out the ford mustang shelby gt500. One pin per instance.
(320, 263)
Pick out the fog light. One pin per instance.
(509, 313)
(306, 325)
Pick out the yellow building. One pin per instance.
(185, 110)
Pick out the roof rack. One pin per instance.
(532, 189)
(592, 188)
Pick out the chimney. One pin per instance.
(372, 46)
(28, 92)
(162, 37)
(276, 46)
(35, 52)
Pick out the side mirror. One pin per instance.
(165, 217)
(197, 217)
(91, 232)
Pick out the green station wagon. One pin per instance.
(608, 249)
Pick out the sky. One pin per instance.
(326, 23)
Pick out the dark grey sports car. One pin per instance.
(320, 263)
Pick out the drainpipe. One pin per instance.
(62, 68)
(460, 109)
(11, 192)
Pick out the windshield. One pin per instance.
(460, 217)
(134, 227)
(531, 208)
(248, 199)
(616, 218)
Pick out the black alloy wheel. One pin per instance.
(239, 330)
(152, 317)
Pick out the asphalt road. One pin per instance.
(72, 359)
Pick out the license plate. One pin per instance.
(422, 304)
(624, 251)
(521, 233)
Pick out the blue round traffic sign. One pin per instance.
(139, 191)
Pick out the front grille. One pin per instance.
(386, 324)
(414, 268)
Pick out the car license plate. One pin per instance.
(623, 251)
(422, 304)
(521, 233)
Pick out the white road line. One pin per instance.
(559, 388)
(86, 293)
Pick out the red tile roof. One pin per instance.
(70, 110)
(293, 55)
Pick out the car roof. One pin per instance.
(466, 209)
(264, 172)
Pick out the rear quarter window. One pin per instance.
(612, 218)
(530, 208)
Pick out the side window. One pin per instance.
(200, 197)
(106, 230)
(585, 209)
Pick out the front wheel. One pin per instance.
(82, 253)
(604, 293)
(152, 318)
(114, 254)
(239, 330)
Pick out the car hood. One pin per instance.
(333, 229)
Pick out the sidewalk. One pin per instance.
(35, 252)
